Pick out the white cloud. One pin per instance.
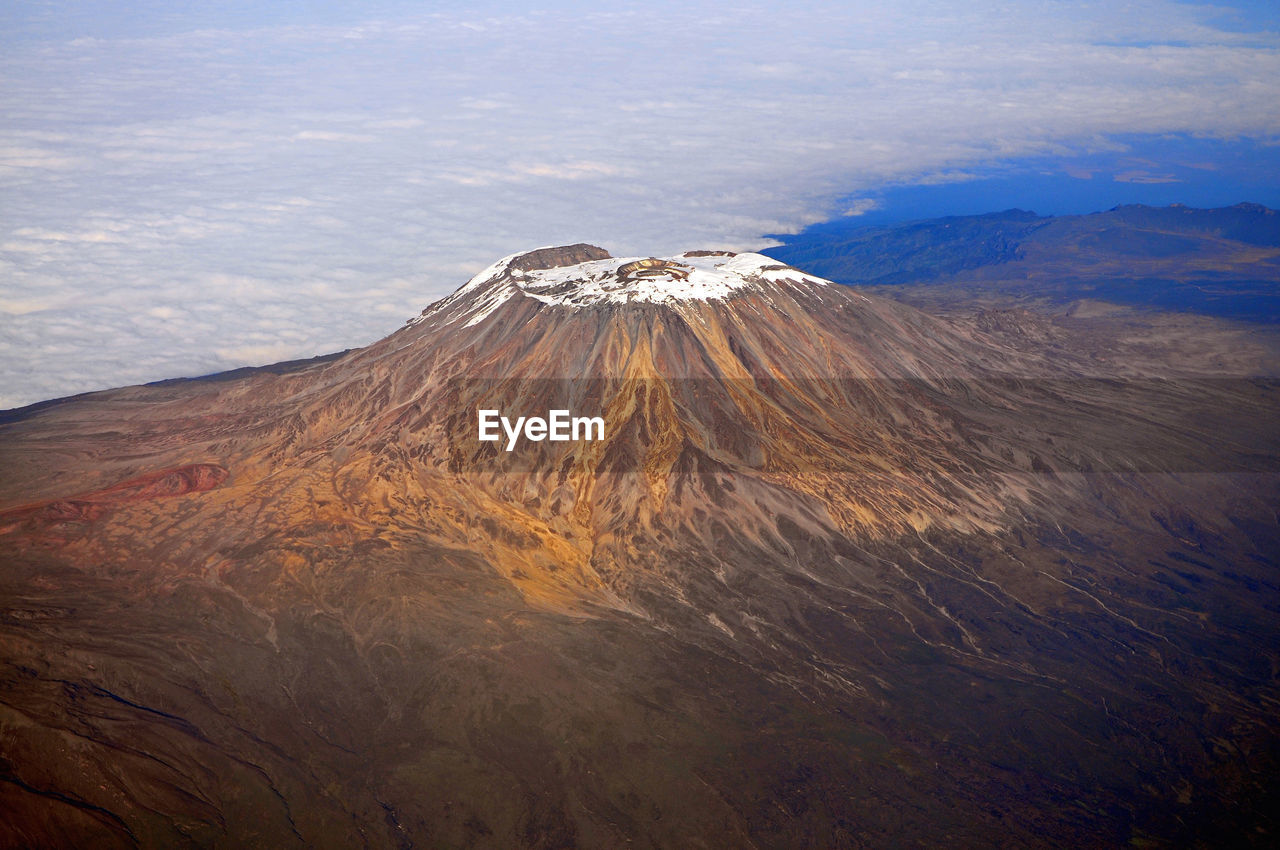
(330, 136)
(185, 198)
(14, 157)
(860, 206)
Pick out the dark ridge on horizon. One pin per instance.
(285, 367)
(851, 222)
(1132, 254)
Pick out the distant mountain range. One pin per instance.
(1221, 262)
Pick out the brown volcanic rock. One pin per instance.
(55, 515)
(553, 258)
(840, 574)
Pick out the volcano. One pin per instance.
(831, 572)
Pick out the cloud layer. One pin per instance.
(184, 195)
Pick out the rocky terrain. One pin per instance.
(840, 574)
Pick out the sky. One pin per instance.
(191, 187)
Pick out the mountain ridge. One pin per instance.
(1222, 262)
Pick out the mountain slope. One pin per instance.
(838, 574)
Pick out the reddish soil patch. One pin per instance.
(165, 483)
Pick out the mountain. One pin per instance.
(830, 572)
(1221, 262)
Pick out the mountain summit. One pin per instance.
(581, 275)
(828, 572)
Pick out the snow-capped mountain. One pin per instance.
(829, 572)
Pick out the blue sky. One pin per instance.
(194, 187)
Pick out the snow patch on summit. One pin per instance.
(709, 276)
(655, 280)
